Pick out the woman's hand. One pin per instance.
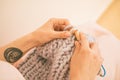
(86, 60)
(52, 29)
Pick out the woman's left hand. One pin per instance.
(52, 29)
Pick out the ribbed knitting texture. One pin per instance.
(50, 61)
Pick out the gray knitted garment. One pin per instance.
(50, 61)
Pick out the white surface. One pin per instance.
(18, 17)
(8, 72)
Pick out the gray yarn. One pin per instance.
(49, 61)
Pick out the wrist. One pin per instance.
(36, 37)
(31, 40)
(41, 36)
(78, 76)
(25, 43)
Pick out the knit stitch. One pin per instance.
(50, 61)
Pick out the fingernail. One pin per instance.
(68, 34)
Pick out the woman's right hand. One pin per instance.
(86, 60)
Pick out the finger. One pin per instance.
(68, 28)
(61, 34)
(77, 44)
(59, 21)
(84, 40)
(77, 35)
(59, 28)
(92, 45)
(73, 31)
(77, 47)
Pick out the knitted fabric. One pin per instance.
(50, 61)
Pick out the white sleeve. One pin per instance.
(9, 72)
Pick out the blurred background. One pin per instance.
(19, 17)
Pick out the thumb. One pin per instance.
(61, 34)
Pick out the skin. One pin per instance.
(52, 29)
(86, 60)
(84, 63)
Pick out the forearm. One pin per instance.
(47, 32)
(24, 44)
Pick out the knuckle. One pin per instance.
(77, 46)
(67, 20)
